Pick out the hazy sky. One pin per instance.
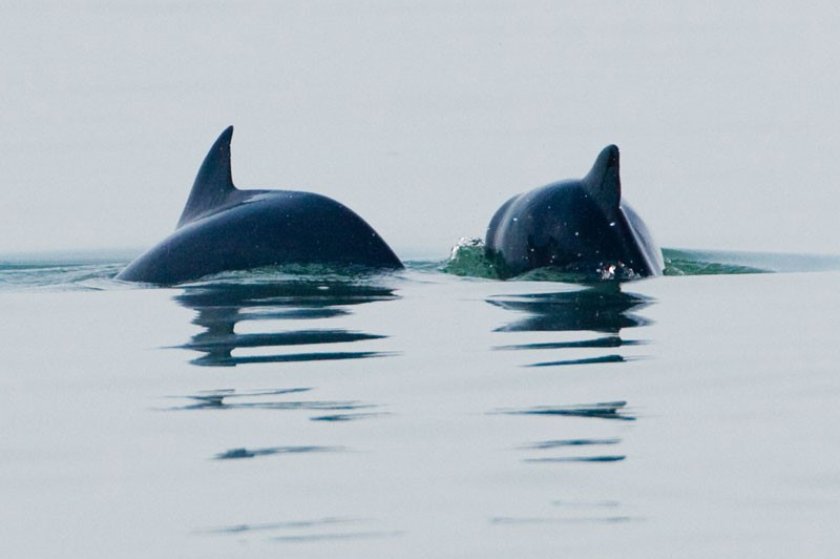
(422, 116)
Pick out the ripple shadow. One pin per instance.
(572, 459)
(605, 342)
(601, 410)
(230, 399)
(602, 359)
(514, 520)
(229, 361)
(308, 531)
(547, 445)
(269, 526)
(338, 536)
(239, 453)
(568, 444)
(342, 417)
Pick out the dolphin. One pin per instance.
(578, 226)
(223, 228)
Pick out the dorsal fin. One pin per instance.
(214, 182)
(603, 183)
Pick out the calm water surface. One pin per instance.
(421, 414)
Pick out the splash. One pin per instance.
(468, 258)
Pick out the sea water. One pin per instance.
(421, 414)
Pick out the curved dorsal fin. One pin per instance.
(214, 182)
(603, 183)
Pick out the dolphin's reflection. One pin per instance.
(589, 318)
(220, 307)
(602, 309)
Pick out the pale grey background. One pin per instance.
(422, 116)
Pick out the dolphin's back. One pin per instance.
(269, 229)
(580, 226)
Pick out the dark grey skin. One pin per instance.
(579, 226)
(223, 228)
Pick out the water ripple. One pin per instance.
(238, 453)
(602, 410)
